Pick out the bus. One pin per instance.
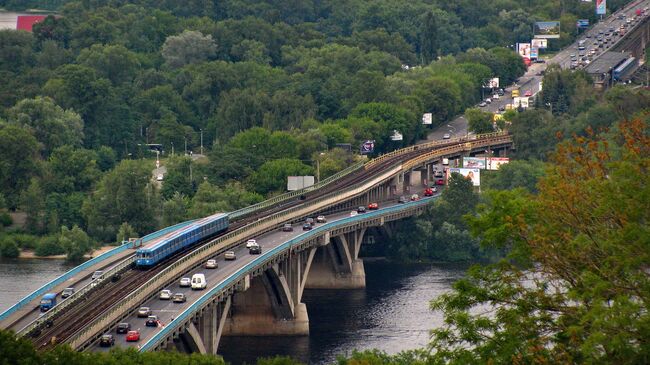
(515, 93)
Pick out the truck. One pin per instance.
(48, 301)
(515, 93)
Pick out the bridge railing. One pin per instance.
(267, 256)
(231, 239)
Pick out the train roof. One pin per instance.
(173, 234)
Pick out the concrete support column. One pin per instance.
(336, 266)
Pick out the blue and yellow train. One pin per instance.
(174, 241)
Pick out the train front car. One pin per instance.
(181, 238)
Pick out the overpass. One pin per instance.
(256, 295)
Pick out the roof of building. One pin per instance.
(606, 62)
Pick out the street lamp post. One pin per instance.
(172, 148)
(201, 141)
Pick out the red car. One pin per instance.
(428, 192)
(133, 336)
(440, 181)
(528, 93)
(373, 206)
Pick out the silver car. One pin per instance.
(185, 282)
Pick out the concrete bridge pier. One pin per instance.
(203, 333)
(337, 265)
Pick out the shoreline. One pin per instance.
(29, 254)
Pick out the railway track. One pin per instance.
(74, 319)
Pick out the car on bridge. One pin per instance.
(250, 243)
(67, 292)
(211, 264)
(310, 221)
(165, 294)
(179, 298)
(97, 274)
(306, 227)
(287, 228)
(415, 197)
(230, 255)
(123, 327)
(255, 250)
(152, 321)
(106, 340)
(361, 209)
(133, 336)
(373, 206)
(428, 192)
(185, 282)
(144, 312)
(403, 199)
(321, 219)
(199, 282)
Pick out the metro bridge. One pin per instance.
(254, 294)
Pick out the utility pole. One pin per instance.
(201, 142)
(185, 146)
(172, 148)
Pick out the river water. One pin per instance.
(391, 314)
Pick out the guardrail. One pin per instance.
(45, 288)
(286, 196)
(269, 255)
(179, 267)
(75, 297)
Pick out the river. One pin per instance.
(391, 314)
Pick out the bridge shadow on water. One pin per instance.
(390, 314)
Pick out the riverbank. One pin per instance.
(30, 254)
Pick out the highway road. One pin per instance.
(533, 76)
(166, 310)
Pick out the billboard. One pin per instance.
(540, 43)
(547, 29)
(367, 147)
(601, 7)
(299, 182)
(493, 163)
(533, 52)
(520, 102)
(582, 23)
(523, 49)
(470, 174)
(492, 83)
(427, 118)
(26, 22)
(474, 162)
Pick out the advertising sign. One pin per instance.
(523, 49)
(367, 147)
(470, 174)
(547, 29)
(520, 102)
(427, 118)
(533, 52)
(474, 162)
(492, 83)
(396, 136)
(493, 163)
(582, 23)
(299, 182)
(539, 43)
(601, 7)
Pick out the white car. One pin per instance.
(482, 104)
(446, 136)
(354, 213)
(321, 219)
(496, 97)
(230, 255)
(166, 294)
(250, 243)
(211, 264)
(185, 282)
(159, 177)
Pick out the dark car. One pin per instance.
(403, 199)
(67, 292)
(310, 221)
(502, 108)
(361, 209)
(287, 228)
(255, 250)
(152, 321)
(106, 341)
(123, 327)
(306, 227)
(179, 298)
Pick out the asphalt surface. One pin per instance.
(166, 310)
(530, 81)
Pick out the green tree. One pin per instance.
(8, 248)
(18, 161)
(576, 271)
(272, 175)
(33, 203)
(113, 62)
(69, 170)
(516, 174)
(75, 242)
(177, 179)
(175, 209)
(188, 47)
(479, 121)
(124, 194)
(124, 233)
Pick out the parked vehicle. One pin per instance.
(230, 255)
(446, 136)
(48, 301)
(199, 282)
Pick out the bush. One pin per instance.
(5, 219)
(49, 246)
(24, 241)
(9, 248)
